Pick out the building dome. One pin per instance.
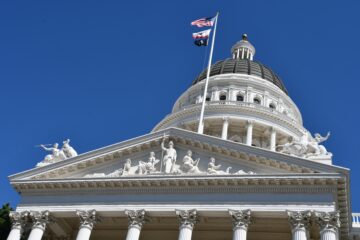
(242, 66)
(244, 101)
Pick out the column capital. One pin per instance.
(137, 218)
(272, 130)
(249, 122)
(40, 219)
(327, 220)
(240, 218)
(187, 218)
(299, 219)
(87, 218)
(225, 119)
(18, 219)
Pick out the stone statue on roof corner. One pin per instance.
(307, 146)
(68, 150)
(170, 156)
(57, 154)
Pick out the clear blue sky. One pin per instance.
(100, 72)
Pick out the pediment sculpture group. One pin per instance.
(307, 146)
(168, 165)
(57, 154)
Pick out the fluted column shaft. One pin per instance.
(188, 219)
(17, 220)
(299, 234)
(249, 133)
(241, 220)
(39, 219)
(133, 233)
(225, 128)
(87, 222)
(240, 233)
(185, 233)
(329, 223)
(15, 233)
(137, 219)
(273, 140)
(328, 234)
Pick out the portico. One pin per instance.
(187, 224)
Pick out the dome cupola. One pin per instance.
(243, 49)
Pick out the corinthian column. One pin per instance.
(225, 128)
(249, 132)
(241, 221)
(188, 219)
(272, 139)
(39, 219)
(329, 224)
(136, 220)
(299, 222)
(17, 220)
(87, 222)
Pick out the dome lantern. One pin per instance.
(243, 49)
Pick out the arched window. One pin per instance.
(208, 98)
(257, 100)
(222, 97)
(272, 106)
(240, 98)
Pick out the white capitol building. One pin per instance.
(253, 173)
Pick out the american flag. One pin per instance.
(203, 22)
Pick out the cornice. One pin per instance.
(289, 180)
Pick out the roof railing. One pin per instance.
(355, 219)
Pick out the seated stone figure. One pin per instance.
(150, 166)
(55, 156)
(214, 169)
(190, 165)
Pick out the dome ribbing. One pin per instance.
(243, 66)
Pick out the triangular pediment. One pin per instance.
(132, 158)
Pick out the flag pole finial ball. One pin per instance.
(244, 37)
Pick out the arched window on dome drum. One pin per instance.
(222, 97)
(240, 98)
(257, 100)
(272, 106)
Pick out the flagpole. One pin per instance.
(201, 120)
